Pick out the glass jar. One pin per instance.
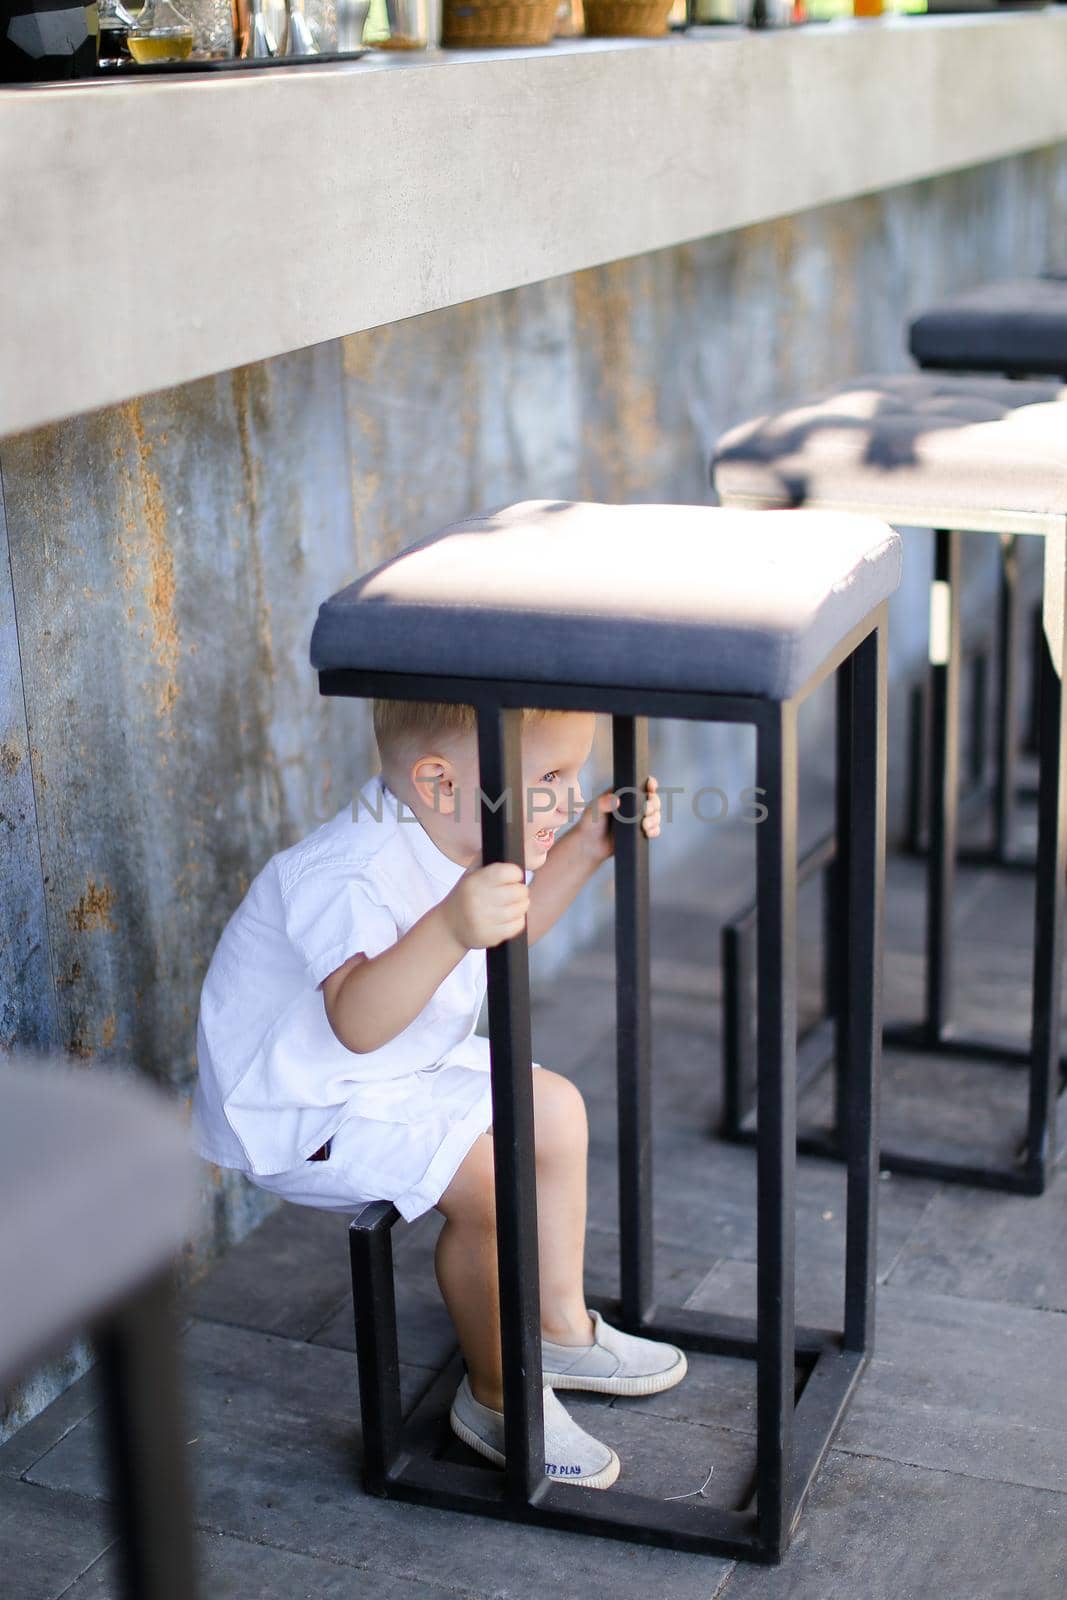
(273, 27)
(322, 20)
(160, 33)
(397, 25)
(212, 22)
(350, 17)
(115, 25)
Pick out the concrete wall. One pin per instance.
(161, 563)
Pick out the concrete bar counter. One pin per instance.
(235, 218)
(257, 332)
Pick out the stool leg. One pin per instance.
(374, 1306)
(977, 739)
(918, 757)
(1006, 778)
(1051, 865)
(503, 801)
(836, 911)
(738, 1031)
(1032, 737)
(944, 780)
(861, 1020)
(633, 1023)
(776, 1006)
(139, 1365)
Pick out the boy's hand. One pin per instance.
(488, 905)
(593, 826)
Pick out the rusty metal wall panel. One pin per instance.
(168, 557)
(27, 995)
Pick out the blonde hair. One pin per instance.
(400, 724)
(403, 722)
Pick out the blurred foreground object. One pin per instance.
(97, 1193)
(41, 40)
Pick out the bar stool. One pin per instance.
(97, 1190)
(638, 612)
(980, 454)
(1017, 328)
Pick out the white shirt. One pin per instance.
(275, 1082)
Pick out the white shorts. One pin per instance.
(408, 1163)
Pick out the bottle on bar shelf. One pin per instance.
(160, 33)
(767, 13)
(397, 25)
(716, 13)
(351, 17)
(299, 39)
(115, 25)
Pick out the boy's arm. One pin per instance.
(572, 862)
(368, 1002)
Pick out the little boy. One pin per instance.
(338, 1059)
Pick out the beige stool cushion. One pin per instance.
(929, 449)
(634, 596)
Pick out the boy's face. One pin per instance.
(554, 749)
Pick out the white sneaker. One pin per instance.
(615, 1363)
(571, 1454)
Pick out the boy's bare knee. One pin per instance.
(560, 1122)
(470, 1198)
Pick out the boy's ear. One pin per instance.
(434, 780)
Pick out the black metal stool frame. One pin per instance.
(1000, 790)
(1005, 786)
(1039, 1152)
(793, 1435)
(137, 1344)
(991, 782)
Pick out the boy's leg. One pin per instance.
(466, 1248)
(466, 1270)
(561, 1144)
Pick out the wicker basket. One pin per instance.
(494, 22)
(633, 19)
